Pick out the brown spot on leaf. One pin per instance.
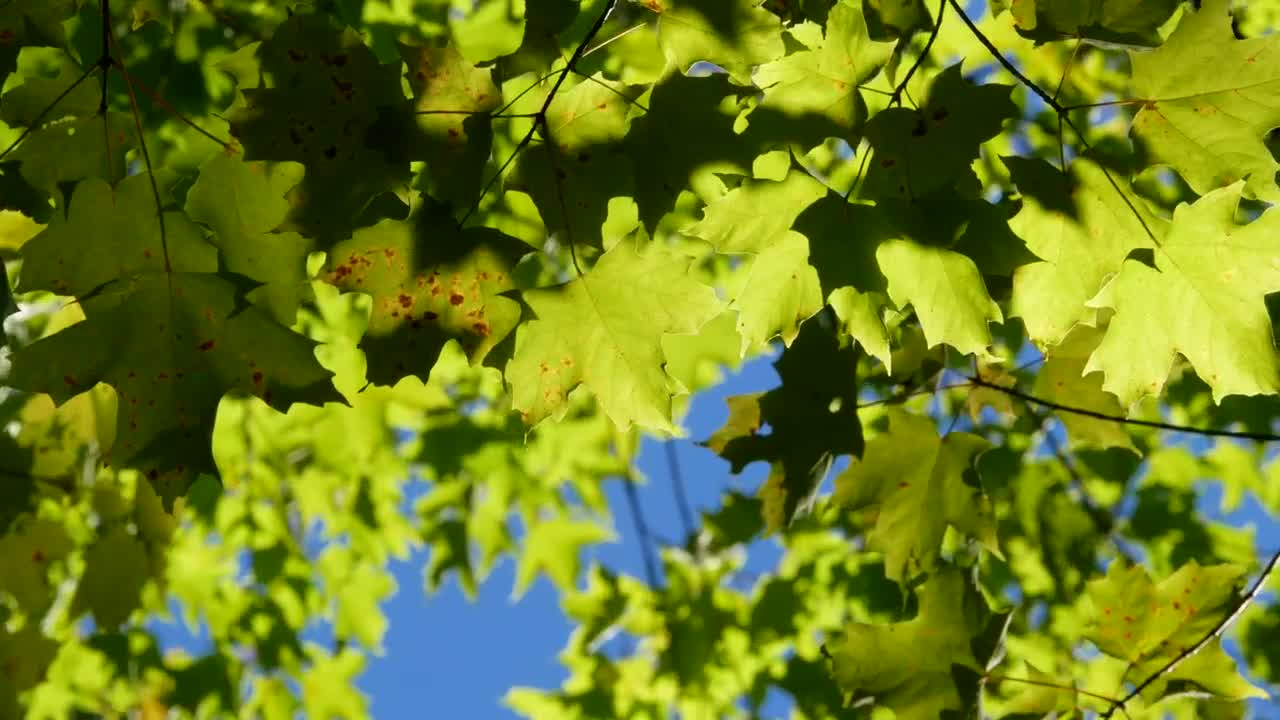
(405, 300)
(70, 380)
(257, 377)
(455, 299)
(206, 346)
(481, 328)
(940, 114)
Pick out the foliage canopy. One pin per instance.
(294, 289)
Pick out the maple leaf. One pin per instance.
(734, 34)
(603, 330)
(1082, 229)
(908, 666)
(326, 97)
(1208, 103)
(1062, 379)
(452, 102)
(1206, 292)
(1113, 21)
(1148, 624)
(172, 340)
(583, 164)
(920, 151)
(754, 215)
(685, 137)
(774, 292)
(814, 93)
(430, 283)
(552, 548)
(812, 417)
(918, 484)
(243, 203)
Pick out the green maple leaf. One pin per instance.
(73, 149)
(1148, 624)
(603, 330)
(1062, 379)
(848, 273)
(46, 75)
(1205, 293)
(430, 283)
(908, 665)
(1208, 103)
(774, 292)
(1082, 229)
(812, 418)
(752, 216)
(685, 137)
(325, 99)
(551, 547)
(171, 338)
(110, 233)
(452, 102)
(1113, 21)
(920, 151)
(817, 89)
(26, 552)
(582, 165)
(31, 22)
(488, 29)
(116, 568)
(736, 35)
(243, 203)
(919, 484)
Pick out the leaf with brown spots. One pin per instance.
(337, 118)
(585, 165)
(1148, 624)
(146, 337)
(1210, 103)
(110, 233)
(430, 284)
(1206, 292)
(454, 143)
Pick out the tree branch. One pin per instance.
(1156, 424)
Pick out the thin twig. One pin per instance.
(642, 530)
(1241, 605)
(677, 487)
(895, 98)
(1156, 424)
(156, 97)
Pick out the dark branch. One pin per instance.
(1120, 420)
